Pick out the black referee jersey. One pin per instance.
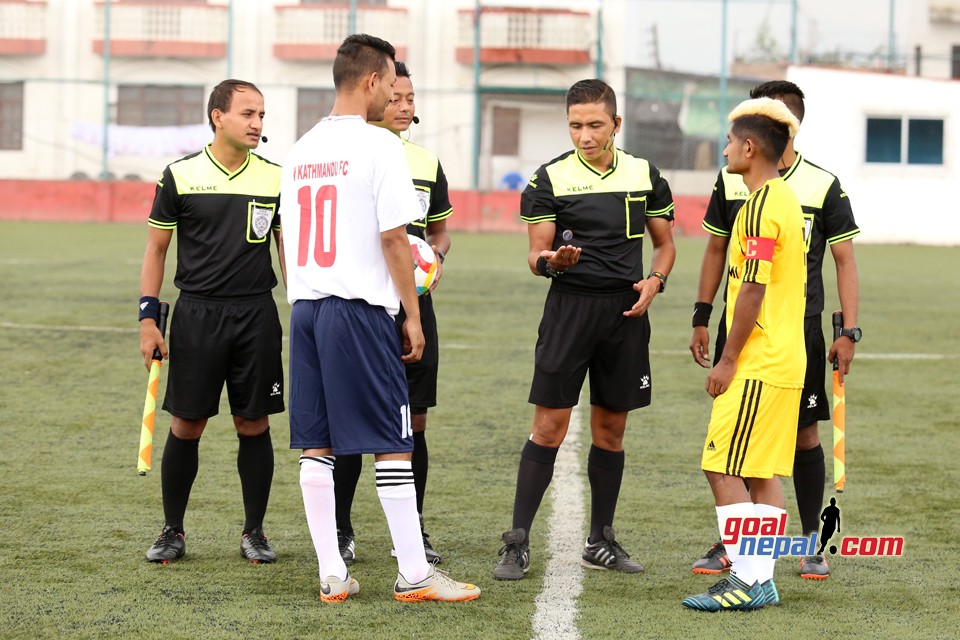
(828, 217)
(605, 214)
(431, 185)
(223, 222)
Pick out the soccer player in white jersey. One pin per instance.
(349, 195)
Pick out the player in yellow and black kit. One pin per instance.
(431, 186)
(829, 222)
(756, 382)
(222, 202)
(587, 213)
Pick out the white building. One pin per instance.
(165, 56)
(893, 141)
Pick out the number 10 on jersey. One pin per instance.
(318, 219)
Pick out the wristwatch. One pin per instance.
(854, 333)
(551, 272)
(660, 276)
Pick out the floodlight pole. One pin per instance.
(722, 102)
(599, 71)
(475, 181)
(105, 138)
(890, 40)
(352, 19)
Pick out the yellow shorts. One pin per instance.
(753, 431)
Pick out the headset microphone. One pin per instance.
(416, 120)
(263, 138)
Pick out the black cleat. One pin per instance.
(348, 547)
(514, 556)
(170, 546)
(255, 548)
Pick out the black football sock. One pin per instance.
(421, 463)
(346, 475)
(255, 465)
(178, 470)
(605, 471)
(533, 478)
(809, 476)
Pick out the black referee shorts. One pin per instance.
(422, 375)
(237, 341)
(814, 402)
(580, 333)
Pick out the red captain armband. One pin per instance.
(759, 249)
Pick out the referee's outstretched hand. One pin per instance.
(563, 258)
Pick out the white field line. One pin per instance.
(556, 615)
(466, 347)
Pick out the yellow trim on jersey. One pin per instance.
(202, 174)
(843, 237)
(709, 228)
(628, 173)
(168, 226)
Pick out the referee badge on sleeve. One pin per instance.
(259, 217)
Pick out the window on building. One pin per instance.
(905, 140)
(155, 106)
(506, 131)
(11, 116)
(313, 104)
(955, 62)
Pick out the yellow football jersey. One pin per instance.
(768, 248)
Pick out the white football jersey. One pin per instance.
(344, 182)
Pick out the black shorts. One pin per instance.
(583, 332)
(237, 341)
(422, 375)
(814, 402)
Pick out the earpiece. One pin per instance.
(416, 120)
(263, 138)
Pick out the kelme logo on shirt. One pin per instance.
(203, 188)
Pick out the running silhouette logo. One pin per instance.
(765, 537)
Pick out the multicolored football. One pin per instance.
(424, 263)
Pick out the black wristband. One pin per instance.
(150, 308)
(701, 314)
(441, 255)
(544, 268)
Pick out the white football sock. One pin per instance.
(741, 566)
(767, 564)
(319, 502)
(398, 497)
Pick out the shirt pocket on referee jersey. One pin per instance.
(636, 211)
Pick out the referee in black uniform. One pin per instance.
(588, 211)
(222, 201)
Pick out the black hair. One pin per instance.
(769, 135)
(359, 55)
(401, 68)
(784, 91)
(222, 97)
(591, 92)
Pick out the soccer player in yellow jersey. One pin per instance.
(757, 382)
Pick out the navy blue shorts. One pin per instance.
(348, 390)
